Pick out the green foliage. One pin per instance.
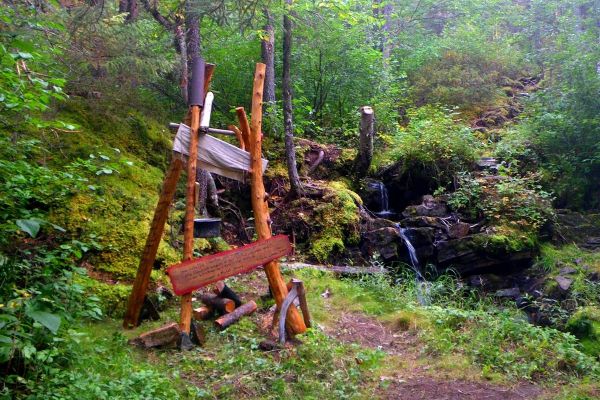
(505, 342)
(433, 142)
(30, 76)
(512, 201)
(102, 366)
(38, 260)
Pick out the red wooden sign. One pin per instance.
(194, 274)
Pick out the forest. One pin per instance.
(425, 175)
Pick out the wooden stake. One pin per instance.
(245, 127)
(188, 232)
(185, 316)
(262, 220)
(142, 278)
(228, 319)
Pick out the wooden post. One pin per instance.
(245, 127)
(142, 278)
(185, 319)
(260, 207)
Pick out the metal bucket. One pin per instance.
(207, 227)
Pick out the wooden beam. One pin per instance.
(260, 207)
(142, 278)
(244, 127)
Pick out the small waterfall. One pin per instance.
(383, 193)
(420, 282)
(384, 202)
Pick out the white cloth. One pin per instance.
(215, 155)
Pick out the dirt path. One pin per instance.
(417, 381)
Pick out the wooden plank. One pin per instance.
(262, 220)
(142, 278)
(194, 274)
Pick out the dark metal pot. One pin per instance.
(207, 227)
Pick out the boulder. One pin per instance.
(430, 207)
(383, 241)
(481, 253)
(458, 230)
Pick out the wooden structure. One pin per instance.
(192, 274)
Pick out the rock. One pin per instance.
(567, 271)
(430, 207)
(513, 293)
(458, 230)
(563, 282)
(486, 162)
(422, 240)
(383, 241)
(578, 228)
(480, 253)
(422, 222)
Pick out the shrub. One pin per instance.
(435, 143)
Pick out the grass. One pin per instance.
(463, 338)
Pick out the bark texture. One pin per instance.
(364, 157)
(290, 151)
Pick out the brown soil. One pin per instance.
(418, 381)
(430, 389)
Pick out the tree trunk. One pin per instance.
(290, 151)
(362, 163)
(130, 7)
(192, 26)
(268, 58)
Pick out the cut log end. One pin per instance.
(221, 305)
(164, 336)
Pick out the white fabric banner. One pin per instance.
(215, 155)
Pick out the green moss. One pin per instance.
(505, 241)
(585, 325)
(113, 297)
(337, 217)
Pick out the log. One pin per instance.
(222, 290)
(244, 127)
(203, 313)
(231, 318)
(219, 304)
(142, 278)
(259, 205)
(163, 336)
